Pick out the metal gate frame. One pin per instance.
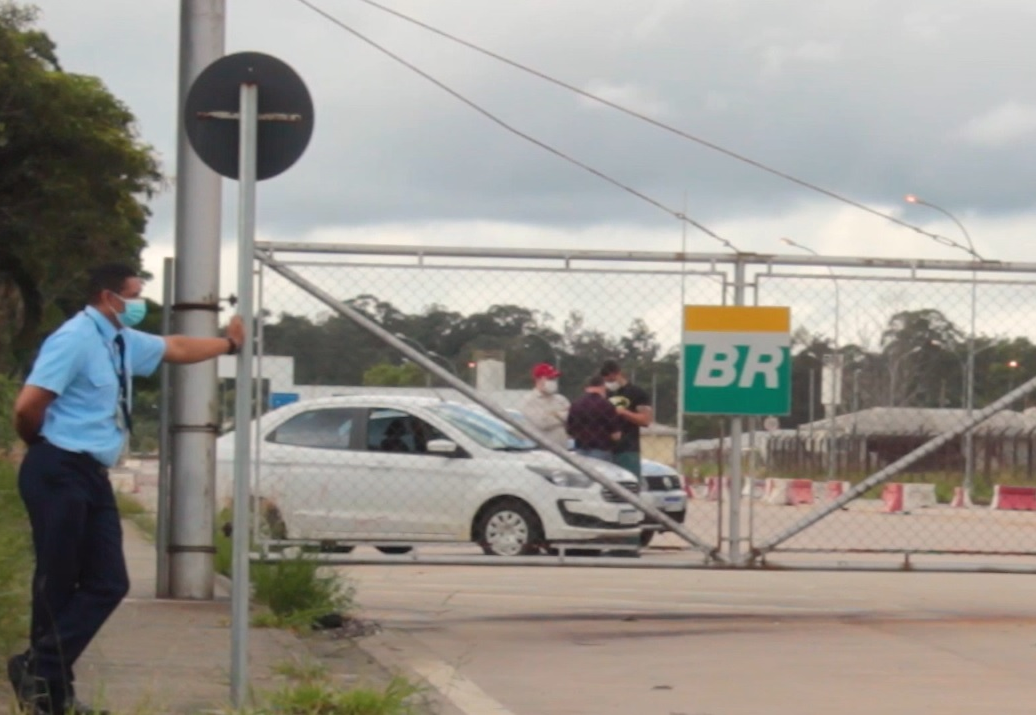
(732, 270)
(710, 552)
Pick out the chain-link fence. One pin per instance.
(451, 434)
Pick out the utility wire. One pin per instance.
(661, 125)
(514, 130)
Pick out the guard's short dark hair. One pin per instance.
(610, 367)
(110, 276)
(595, 381)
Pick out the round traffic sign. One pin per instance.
(771, 423)
(285, 113)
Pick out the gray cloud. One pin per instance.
(869, 99)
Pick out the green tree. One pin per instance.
(915, 347)
(388, 375)
(74, 177)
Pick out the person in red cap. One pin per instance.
(544, 407)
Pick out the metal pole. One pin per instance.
(834, 368)
(969, 457)
(812, 399)
(258, 383)
(680, 357)
(162, 507)
(193, 429)
(654, 388)
(753, 467)
(243, 397)
(836, 388)
(969, 451)
(735, 444)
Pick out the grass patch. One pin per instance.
(292, 592)
(132, 510)
(302, 671)
(224, 545)
(322, 698)
(296, 591)
(15, 562)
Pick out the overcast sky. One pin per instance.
(872, 99)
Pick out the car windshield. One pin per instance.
(485, 429)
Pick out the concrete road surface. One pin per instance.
(567, 641)
(532, 641)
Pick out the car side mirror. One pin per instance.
(445, 447)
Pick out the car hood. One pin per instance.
(543, 458)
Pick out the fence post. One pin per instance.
(735, 440)
(162, 586)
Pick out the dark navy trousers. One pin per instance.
(80, 575)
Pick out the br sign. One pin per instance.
(737, 360)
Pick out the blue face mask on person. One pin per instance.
(134, 310)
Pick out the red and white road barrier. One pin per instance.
(753, 488)
(904, 498)
(800, 491)
(714, 484)
(959, 500)
(788, 492)
(697, 491)
(1013, 498)
(775, 491)
(833, 490)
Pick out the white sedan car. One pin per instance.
(386, 470)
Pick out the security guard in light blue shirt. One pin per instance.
(75, 414)
(89, 416)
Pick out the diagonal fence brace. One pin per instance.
(468, 391)
(891, 470)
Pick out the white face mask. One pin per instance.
(550, 387)
(612, 386)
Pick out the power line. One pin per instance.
(514, 130)
(661, 125)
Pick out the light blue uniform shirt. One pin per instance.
(80, 364)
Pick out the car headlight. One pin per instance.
(563, 477)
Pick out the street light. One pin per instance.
(835, 372)
(1013, 364)
(834, 279)
(969, 458)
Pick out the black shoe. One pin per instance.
(38, 697)
(22, 681)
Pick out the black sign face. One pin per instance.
(285, 113)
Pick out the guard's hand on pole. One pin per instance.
(236, 330)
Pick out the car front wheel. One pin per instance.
(509, 528)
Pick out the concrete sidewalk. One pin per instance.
(159, 656)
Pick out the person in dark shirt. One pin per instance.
(593, 422)
(633, 407)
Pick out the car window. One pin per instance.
(327, 429)
(484, 428)
(399, 432)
